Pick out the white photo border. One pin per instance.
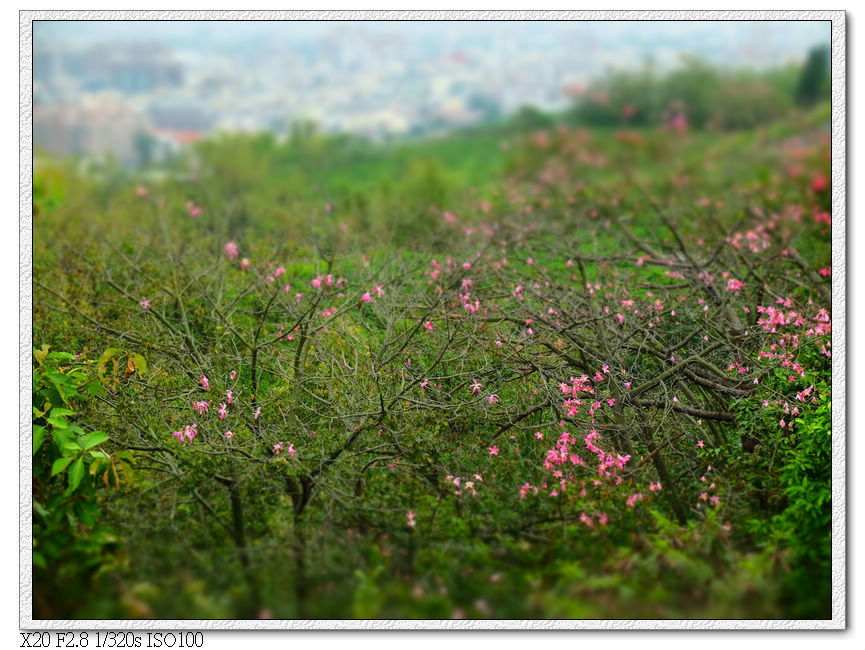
(839, 268)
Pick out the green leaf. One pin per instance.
(70, 449)
(61, 355)
(139, 363)
(39, 561)
(66, 392)
(104, 358)
(62, 437)
(76, 473)
(94, 388)
(58, 423)
(60, 464)
(38, 437)
(93, 439)
(41, 354)
(61, 411)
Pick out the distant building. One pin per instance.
(131, 68)
(179, 113)
(106, 127)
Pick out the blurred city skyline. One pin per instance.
(109, 86)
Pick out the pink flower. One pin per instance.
(378, 291)
(410, 522)
(494, 451)
(429, 326)
(494, 399)
(201, 407)
(257, 413)
(278, 447)
(539, 435)
(188, 433)
(232, 375)
(734, 285)
(287, 288)
(654, 487)
(524, 490)
(228, 395)
(366, 298)
(204, 383)
(194, 210)
(424, 382)
(819, 184)
(700, 444)
(631, 501)
(230, 250)
(244, 263)
(229, 435)
(223, 409)
(476, 386)
(145, 303)
(279, 271)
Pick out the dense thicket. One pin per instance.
(552, 373)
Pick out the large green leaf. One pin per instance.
(76, 473)
(57, 412)
(70, 449)
(60, 464)
(58, 423)
(93, 439)
(38, 437)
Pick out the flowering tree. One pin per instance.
(634, 363)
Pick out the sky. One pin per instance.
(758, 43)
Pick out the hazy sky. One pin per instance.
(756, 43)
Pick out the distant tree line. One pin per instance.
(695, 95)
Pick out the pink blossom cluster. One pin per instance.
(188, 434)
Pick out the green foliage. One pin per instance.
(70, 545)
(815, 78)
(229, 526)
(709, 97)
(803, 527)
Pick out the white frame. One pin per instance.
(839, 446)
